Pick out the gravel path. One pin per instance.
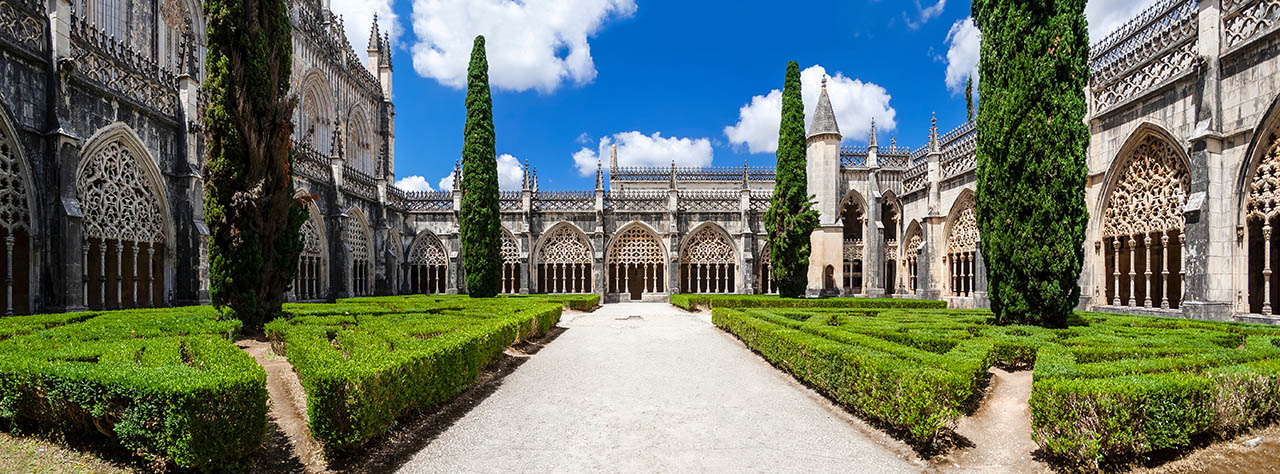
(648, 388)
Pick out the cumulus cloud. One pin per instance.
(510, 175)
(357, 16)
(855, 103)
(530, 44)
(926, 14)
(414, 183)
(638, 149)
(964, 43)
(1107, 15)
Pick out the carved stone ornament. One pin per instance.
(1150, 192)
(117, 197)
(708, 246)
(564, 245)
(636, 245)
(427, 250)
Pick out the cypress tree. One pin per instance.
(481, 230)
(968, 97)
(254, 220)
(791, 217)
(1032, 162)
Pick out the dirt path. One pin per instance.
(288, 403)
(1257, 451)
(1000, 431)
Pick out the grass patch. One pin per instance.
(1107, 387)
(366, 362)
(693, 302)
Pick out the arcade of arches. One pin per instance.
(708, 263)
(564, 262)
(428, 266)
(854, 218)
(962, 248)
(510, 252)
(358, 240)
(309, 284)
(636, 263)
(1262, 216)
(15, 229)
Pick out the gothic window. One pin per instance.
(108, 16)
(766, 286)
(962, 248)
(564, 262)
(395, 249)
(428, 265)
(510, 252)
(15, 229)
(635, 263)
(179, 31)
(890, 216)
(854, 217)
(360, 143)
(1262, 214)
(310, 283)
(314, 126)
(123, 229)
(1142, 226)
(359, 242)
(911, 258)
(708, 263)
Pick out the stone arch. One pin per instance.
(18, 224)
(312, 282)
(891, 220)
(1140, 223)
(126, 215)
(912, 245)
(358, 240)
(708, 261)
(853, 216)
(963, 238)
(392, 251)
(315, 113)
(360, 141)
(764, 271)
(1259, 214)
(428, 264)
(563, 260)
(636, 261)
(510, 253)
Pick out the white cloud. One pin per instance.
(510, 175)
(926, 14)
(1107, 15)
(855, 103)
(414, 183)
(637, 149)
(964, 43)
(357, 16)
(530, 44)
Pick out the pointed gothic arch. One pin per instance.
(181, 21)
(963, 237)
(315, 113)
(18, 229)
(1259, 214)
(392, 252)
(853, 215)
(891, 220)
(1141, 223)
(510, 252)
(127, 229)
(563, 260)
(764, 272)
(428, 265)
(358, 240)
(312, 281)
(708, 261)
(636, 262)
(913, 244)
(360, 142)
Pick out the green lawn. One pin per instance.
(1109, 385)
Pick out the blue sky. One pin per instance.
(690, 81)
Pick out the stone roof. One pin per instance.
(824, 117)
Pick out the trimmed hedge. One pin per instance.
(1110, 386)
(365, 362)
(693, 302)
(166, 383)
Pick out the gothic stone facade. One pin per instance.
(100, 155)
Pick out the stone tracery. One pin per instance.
(510, 253)
(15, 228)
(708, 262)
(564, 262)
(313, 262)
(962, 248)
(1262, 215)
(636, 263)
(428, 265)
(358, 239)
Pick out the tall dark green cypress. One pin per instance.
(968, 97)
(1032, 155)
(254, 220)
(481, 230)
(791, 218)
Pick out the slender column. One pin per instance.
(968, 274)
(1115, 270)
(84, 251)
(1266, 269)
(625, 271)
(649, 273)
(8, 280)
(1133, 294)
(1182, 268)
(119, 275)
(151, 275)
(102, 271)
(1164, 270)
(134, 259)
(1147, 272)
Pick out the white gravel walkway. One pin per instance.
(649, 388)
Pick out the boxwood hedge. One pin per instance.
(165, 383)
(365, 362)
(693, 302)
(1109, 386)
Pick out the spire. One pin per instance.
(375, 39)
(893, 142)
(386, 50)
(673, 174)
(824, 117)
(457, 175)
(745, 175)
(599, 175)
(871, 142)
(934, 146)
(613, 159)
(525, 185)
(535, 180)
(335, 147)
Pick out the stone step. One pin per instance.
(1258, 319)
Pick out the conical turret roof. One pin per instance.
(824, 117)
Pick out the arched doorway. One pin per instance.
(708, 262)
(563, 262)
(1142, 224)
(311, 282)
(1262, 216)
(765, 273)
(510, 264)
(854, 215)
(890, 216)
(358, 239)
(428, 265)
(636, 263)
(16, 244)
(125, 225)
(962, 246)
(911, 257)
